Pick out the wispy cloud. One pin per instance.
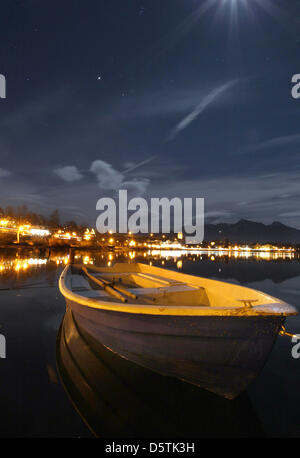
(155, 102)
(139, 164)
(276, 142)
(216, 216)
(208, 100)
(5, 173)
(68, 173)
(291, 214)
(249, 196)
(36, 109)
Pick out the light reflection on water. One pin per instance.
(28, 262)
(33, 402)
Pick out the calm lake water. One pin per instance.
(34, 403)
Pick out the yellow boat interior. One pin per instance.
(141, 288)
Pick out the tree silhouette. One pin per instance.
(54, 219)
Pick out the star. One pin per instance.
(99, 78)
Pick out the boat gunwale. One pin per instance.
(272, 309)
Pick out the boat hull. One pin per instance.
(118, 398)
(222, 354)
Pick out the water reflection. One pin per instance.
(117, 398)
(32, 309)
(21, 264)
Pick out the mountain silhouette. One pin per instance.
(246, 231)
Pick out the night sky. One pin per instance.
(187, 98)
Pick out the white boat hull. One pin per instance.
(219, 354)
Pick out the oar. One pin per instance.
(117, 287)
(105, 286)
(124, 291)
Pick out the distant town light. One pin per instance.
(39, 232)
(179, 264)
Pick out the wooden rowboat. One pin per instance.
(212, 334)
